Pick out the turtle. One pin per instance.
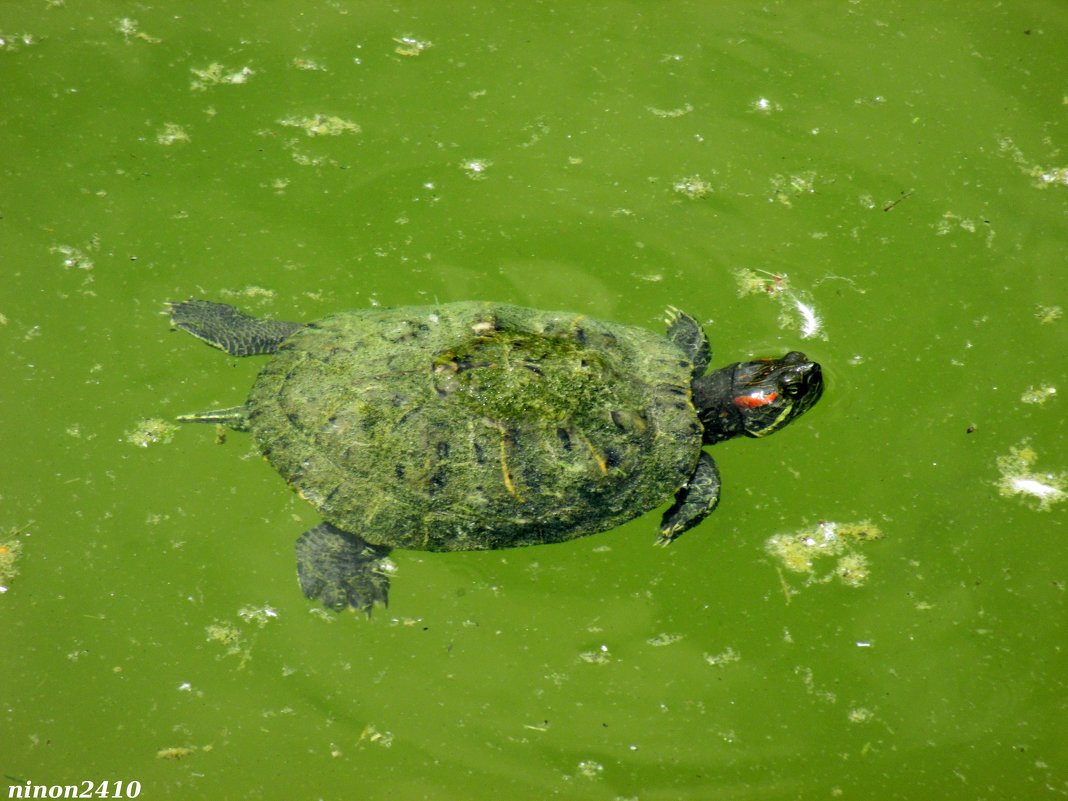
(479, 425)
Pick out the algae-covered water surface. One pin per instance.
(877, 609)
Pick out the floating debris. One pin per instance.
(726, 657)
(308, 65)
(801, 551)
(370, 734)
(75, 256)
(670, 113)
(764, 106)
(692, 186)
(1047, 315)
(904, 195)
(225, 634)
(176, 751)
(215, 74)
(251, 291)
(1042, 490)
(10, 550)
(171, 133)
(410, 47)
(1044, 177)
(13, 42)
(860, 715)
(151, 431)
(590, 769)
(784, 188)
(321, 125)
(951, 222)
(660, 640)
(852, 570)
(131, 29)
(751, 282)
(598, 657)
(475, 169)
(1038, 395)
(797, 311)
(260, 615)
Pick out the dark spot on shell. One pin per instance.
(580, 334)
(480, 454)
(399, 471)
(404, 417)
(612, 457)
(437, 481)
(564, 437)
(407, 329)
(443, 450)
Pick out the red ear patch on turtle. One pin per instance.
(756, 400)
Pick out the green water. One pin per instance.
(893, 176)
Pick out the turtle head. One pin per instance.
(756, 398)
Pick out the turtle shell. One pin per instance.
(476, 425)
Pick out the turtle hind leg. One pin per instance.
(230, 329)
(693, 502)
(340, 569)
(690, 338)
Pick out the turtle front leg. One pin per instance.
(693, 501)
(229, 329)
(340, 569)
(685, 332)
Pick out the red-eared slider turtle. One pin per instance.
(470, 426)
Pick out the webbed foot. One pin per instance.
(690, 338)
(693, 502)
(227, 328)
(341, 569)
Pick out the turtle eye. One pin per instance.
(793, 389)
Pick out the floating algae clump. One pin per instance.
(802, 551)
(9, 554)
(1017, 478)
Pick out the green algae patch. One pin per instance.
(150, 431)
(10, 551)
(321, 125)
(825, 552)
(1041, 490)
